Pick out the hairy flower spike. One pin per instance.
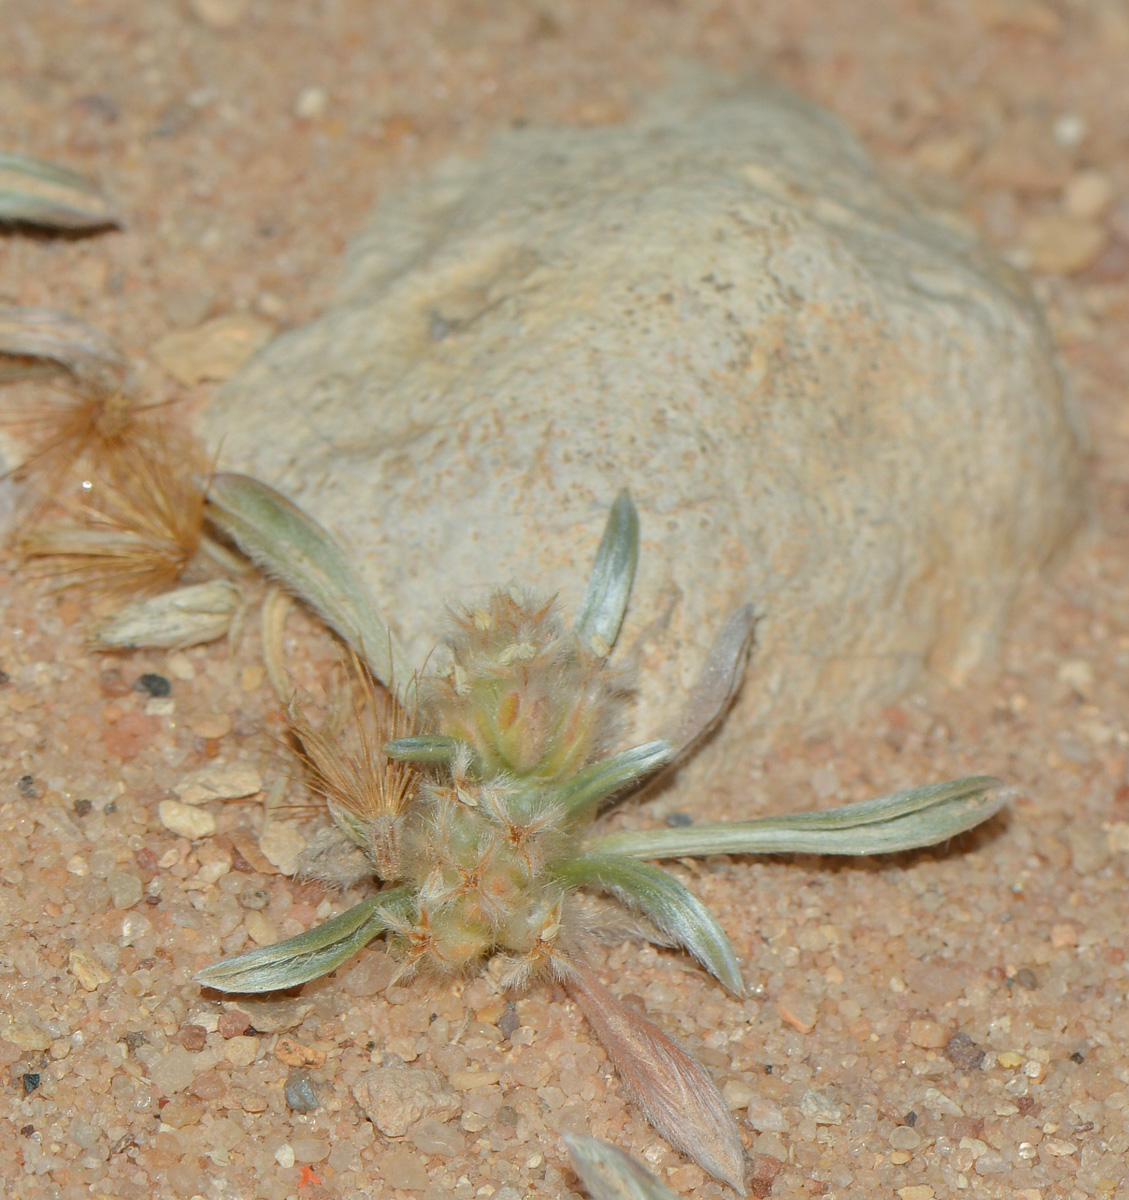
(494, 830)
(523, 691)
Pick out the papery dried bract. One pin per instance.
(674, 1092)
(186, 616)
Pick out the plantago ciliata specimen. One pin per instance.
(482, 825)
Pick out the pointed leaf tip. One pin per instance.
(291, 547)
(672, 907)
(609, 587)
(610, 1174)
(307, 956)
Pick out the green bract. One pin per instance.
(510, 761)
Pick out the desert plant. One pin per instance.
(491, 829)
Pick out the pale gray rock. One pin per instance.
(824, 399)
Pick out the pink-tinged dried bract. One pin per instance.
(495, 836)
(673, 1090)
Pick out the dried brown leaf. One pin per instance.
(674, 1091)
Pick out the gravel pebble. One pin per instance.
(309, 1149)
(260, 930)
(125, 889)
(402, 1169)
(233, 1022)
(282, 845)
(964, 1053)
(301, 1095)
(904, 1138)
(1063, 245)
(186, 821)
(394, 1098)
(218, 348)
(219, 781)
(171, 1070)
(820, 1108)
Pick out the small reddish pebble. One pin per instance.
(308, 1177)
(234, 1022)
(193, 1037)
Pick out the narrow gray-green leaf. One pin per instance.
(36, 192)
(903, 821)
(294, 549)
(426, 748)
(309, 955)
(38, 340)
(609, 587)
(610, 1174)
(661, 898)
(585, 791)
(718, 683)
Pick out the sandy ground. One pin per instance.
(245, 143)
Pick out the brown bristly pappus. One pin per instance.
(142, 524)
(495, 823)
(88, 418)
(366, 793)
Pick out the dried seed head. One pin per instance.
(365, 791)
(142, 525)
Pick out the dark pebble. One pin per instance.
(964, 1053)
(1026, 978)
(4, 678)
(301, 1096)
(910, 1118)
(156, 685)
(135, 1038)
(31, 1081)
(507, 1115)
(27, 1131)
(509, 1020)
(83, 808)
(679, 820)
(29, 787)
(1078, 1057)
(1025, 1104)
